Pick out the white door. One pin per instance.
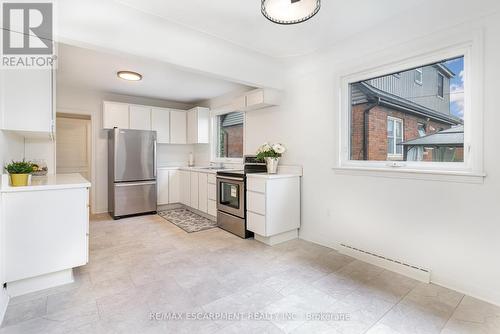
(73, 146)
(202, 192)
(160, 122)
(178, 127)
(163, 186)
(115, 115)
(140, 117)
(174, 183)
(194, 190)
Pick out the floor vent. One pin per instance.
(415, 272)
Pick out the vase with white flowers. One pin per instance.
(271, 154)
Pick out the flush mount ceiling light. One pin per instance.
(129, 75)
(290, 11)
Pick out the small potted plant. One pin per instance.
(19, 172)
(271, 154)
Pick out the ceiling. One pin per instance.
(96, 70)
(240, 22)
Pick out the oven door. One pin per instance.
(231, 195)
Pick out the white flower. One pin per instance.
(279, 148)
(266, 147)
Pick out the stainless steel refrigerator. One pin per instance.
(131, 172)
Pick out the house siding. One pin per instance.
(426, 94)
(377, 131)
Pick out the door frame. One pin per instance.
(87, 115)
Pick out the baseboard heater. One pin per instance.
(400, 267)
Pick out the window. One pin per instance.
(421, 129)
(419, 76)
(228, 135)
(394, 137)
(397, 121)
(440, 85)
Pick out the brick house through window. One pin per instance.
(390, 110)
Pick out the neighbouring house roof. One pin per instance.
(445, 70)
(451, 138)
(396, 102)
(232, 119)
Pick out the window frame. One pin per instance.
(470, 46)
(421, 81)
(213, 135)
(401, 121)
(440, 76)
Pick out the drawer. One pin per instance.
(211, 178)
(256, 223)
(212, 192)
(255, 184)
(212, 208)
(256, 202)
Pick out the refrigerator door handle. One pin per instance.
(134, 184)
(154, 161)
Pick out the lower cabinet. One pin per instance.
(162, 186)
(203, 192)
(45, 231)
(194, 200)
(273, 205)
(174, 186)
(185, 187)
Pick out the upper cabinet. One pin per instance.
(139, 117)
(198, 125)
(160, 122)
(257, 99)
(27, 100)
(115, 115)
(178, 127)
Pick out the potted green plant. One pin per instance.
(271, 154)
(19, 172)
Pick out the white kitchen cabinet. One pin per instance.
(139, 117)
(185, 187)
(115, 114)
(26, 100)
(174, 186)
(273, 208)
(178, 127)
(198, 125)
(203, 192)
(194, 199)
(160, 122)
(257, 99)
(212, 208)
(162, 186)
(50, 237)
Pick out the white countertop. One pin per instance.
(200, 169)
(273, 176)
(49, 182)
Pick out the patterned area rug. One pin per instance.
(187, 220)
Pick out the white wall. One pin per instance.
(450, 228)
(82, 101)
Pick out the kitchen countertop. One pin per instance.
(201, 169)
(49, 182)
(273, 176)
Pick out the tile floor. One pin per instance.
(145, 265)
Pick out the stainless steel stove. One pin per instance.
(231, 197)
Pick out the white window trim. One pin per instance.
(468, 44)
(213, 136)
(421, 81)
(399, 120)
(440, 75)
